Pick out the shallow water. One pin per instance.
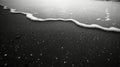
(91, 14)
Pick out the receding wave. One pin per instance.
(33, 16)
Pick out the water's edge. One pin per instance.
(31, 17)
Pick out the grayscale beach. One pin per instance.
(27, 41)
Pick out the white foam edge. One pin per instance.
(31, 17)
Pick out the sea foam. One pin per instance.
(32, 17)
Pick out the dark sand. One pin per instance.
(26, 43)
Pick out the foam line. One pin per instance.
(31, 17)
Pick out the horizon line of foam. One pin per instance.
(31, 17)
